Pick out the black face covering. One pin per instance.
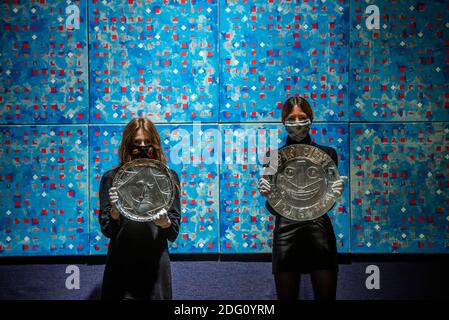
(143, 152)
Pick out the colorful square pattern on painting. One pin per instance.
(245, 224)
(43, 62)
(185, 147)
(154, 59)
(400, 71)
(399, 181)
(270, 50)
(73, 73)
(44, 197)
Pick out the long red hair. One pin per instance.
(129, 134)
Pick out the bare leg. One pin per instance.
(324, 284)
(287, 285)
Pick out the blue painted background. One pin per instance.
(400, 187)
(246, 225)
(199, 185)
(198, 68)
(44, 65)
(44, 190)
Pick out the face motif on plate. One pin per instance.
(145, 190)
(302, 181)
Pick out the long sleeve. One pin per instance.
(269, 168)
(334, 156)
(109, 226)
(270, 209)
(174, 213)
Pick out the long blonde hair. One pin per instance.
(130, 132)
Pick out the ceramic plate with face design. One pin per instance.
(301, 186)
(144, 187)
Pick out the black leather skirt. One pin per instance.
(304, 246)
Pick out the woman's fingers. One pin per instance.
(263, 183)
(113, 190)
(160, 216)
(337, 187)
(337, 192)
(264, 186)
(161, 219)
(337, 184)
(113, 195)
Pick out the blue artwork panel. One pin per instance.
(272, 50)
(399, 72)
(191, 151)
(245, 224)
(43, 62)
(399, 187)
(43, 190)
(154, 59)
(104, 142)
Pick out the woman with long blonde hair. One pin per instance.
(138, 264)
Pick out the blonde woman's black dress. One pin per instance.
(304, 246)
(138, 264)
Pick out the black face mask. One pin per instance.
(143, 152)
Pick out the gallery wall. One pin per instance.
(212, 75)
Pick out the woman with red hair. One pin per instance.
(138, 264)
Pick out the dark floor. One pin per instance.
(231, 280)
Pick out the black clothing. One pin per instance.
(138, 264)
(304, 246)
